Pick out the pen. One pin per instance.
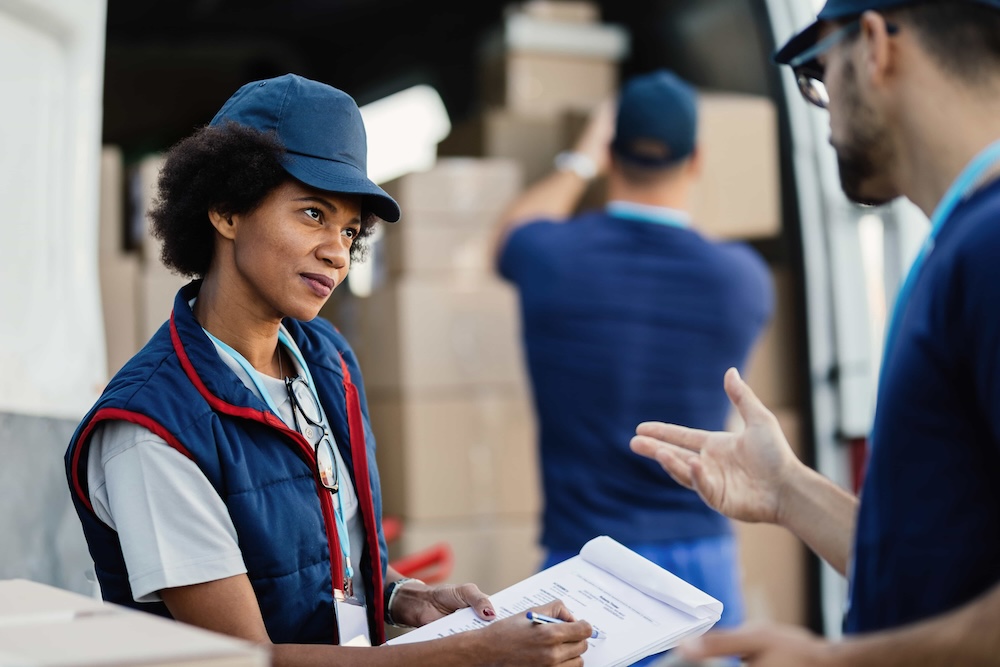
(535, 617)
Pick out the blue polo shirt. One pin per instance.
(928, 537)
(627, 320)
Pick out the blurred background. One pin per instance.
(465, 104)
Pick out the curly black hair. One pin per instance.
(229, 168)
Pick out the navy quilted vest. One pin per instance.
(179, 388)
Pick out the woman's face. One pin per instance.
(294, 249)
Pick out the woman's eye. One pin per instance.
(314, 213)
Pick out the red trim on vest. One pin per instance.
(116, 414)
(359, 453)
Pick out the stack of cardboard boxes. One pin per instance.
(119, 268)
(439, 341)
(137, 290)
(775, 562)
(157, 284)
(439, 347)
(548, 65)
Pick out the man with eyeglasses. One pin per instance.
(913, 91)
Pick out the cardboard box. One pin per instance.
(43, 626)
(532, 140)
(119, 276)
(111, 228)
(156, 291)
(491, 553)
(459, 185)
(449, 216)
(462, 454)
(425, 333)
(541, 66)
(771, 370)
(544, 83)
(562, 10)
(738, 194)
(773, 560)
(429, 242)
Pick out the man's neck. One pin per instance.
(675, 195)
(939, 143)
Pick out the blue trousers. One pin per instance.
(711, 564)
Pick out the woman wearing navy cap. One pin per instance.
(226, 477)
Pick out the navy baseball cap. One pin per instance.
(657, 121)
(835, 10)
(321, 130)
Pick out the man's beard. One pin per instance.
(866, 152)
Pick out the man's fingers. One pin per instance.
(676, 461)
(721, 643)
(681, 436)
(742, 396)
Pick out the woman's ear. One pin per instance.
(223, 223)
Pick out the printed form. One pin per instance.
(641, 608)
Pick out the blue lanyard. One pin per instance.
(250, 370)
(645, 213)
(964, 185)
(345, 538)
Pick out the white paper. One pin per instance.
(650, 578)
(636, 624)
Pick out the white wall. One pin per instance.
(52, 354)
(51, 77)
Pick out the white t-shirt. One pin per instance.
(174, 528)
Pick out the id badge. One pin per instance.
(352, 622)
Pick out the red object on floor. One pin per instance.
(432, 565)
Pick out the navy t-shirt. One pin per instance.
(928, 537)
(627, 321)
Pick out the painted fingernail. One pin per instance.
(489, 612)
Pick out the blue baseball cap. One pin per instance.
(657, 121)
(321, 130)
(835, 10)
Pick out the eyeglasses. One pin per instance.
(304, 403)
(808, 70)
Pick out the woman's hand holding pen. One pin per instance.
(516, 641)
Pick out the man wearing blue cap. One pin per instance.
(913, 90)
(226, 477)
(622, 310)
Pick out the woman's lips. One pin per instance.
(321, 285)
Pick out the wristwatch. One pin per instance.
(390, 595)
(578, 163)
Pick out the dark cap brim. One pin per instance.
(797, 44)
(341, 177)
